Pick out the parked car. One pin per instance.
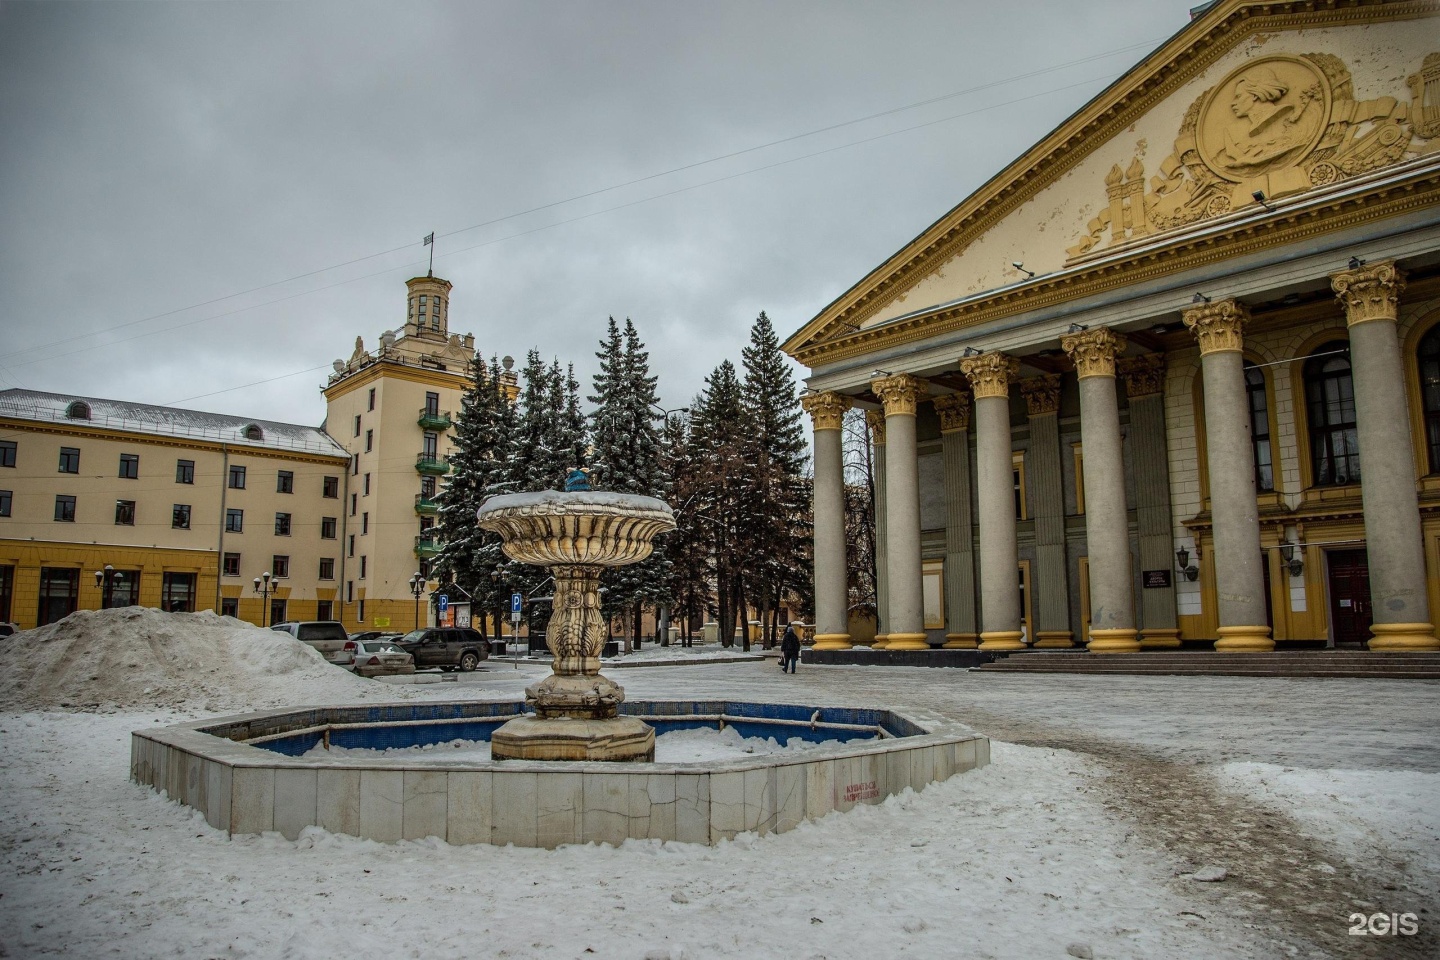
(375, 635)
(327, 636)
(449, 648)
(378, 658)
(6, 629)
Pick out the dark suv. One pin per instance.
(449, 648)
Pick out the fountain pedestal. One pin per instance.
(576, 535)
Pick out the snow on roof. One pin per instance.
(34, 405)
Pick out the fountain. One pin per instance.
(576, 534)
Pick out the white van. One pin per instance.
(327, 636)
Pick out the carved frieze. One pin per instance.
(899, 393)
(1280, 124)
(954, 411)
(1093, 351)
(990, 374)
(1369, 292)
(827, 409)
(1219, 326)
(1042, 394)
(1144, 375)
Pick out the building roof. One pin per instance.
(34, 405)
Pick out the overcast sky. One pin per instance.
(178, 182)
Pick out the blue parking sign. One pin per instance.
(515, 606)
(442, 603)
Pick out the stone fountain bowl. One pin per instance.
(594, 528)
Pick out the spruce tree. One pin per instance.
(723, 480)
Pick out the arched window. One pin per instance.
(78, 410)
(1259, 427)
(1430, 393)
(1330, 404)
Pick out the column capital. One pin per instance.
(899, 392)
(954, 411)
(826, 409)
(1093, 351)
(1219, 326)
(876, 420)
(990, 374)
(1144, 375)
(1369, 292)
(1042, 394)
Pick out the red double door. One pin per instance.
(1349, 596)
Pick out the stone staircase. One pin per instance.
(1300, 663)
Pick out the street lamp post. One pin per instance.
(106, 582)
(417, 587)
(262, 587)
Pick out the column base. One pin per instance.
(907, 641)
(832, 641)
(1120, 640)
(1001, 640)
(1158, 639)
(880, 642)
(1403, 636)
(961, 641)
(1244, 640)
(1054, 639)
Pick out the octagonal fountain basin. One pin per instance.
(275, 771)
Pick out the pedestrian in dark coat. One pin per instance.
(789, 649)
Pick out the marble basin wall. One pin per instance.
(247, 789)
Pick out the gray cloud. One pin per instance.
(158, 156)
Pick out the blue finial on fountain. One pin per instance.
(577, 481)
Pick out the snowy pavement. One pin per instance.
(1105, 796)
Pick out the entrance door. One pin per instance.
(1349, 596)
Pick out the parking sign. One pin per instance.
(442, 603)
(514, 606)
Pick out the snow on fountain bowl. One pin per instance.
(250, 774)
(552, 777)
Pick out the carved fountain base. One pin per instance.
(575, 719)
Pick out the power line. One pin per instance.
(593, 193)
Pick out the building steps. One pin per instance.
(1313, 663)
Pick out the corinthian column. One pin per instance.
(990, 375)
(1042, 478)
(906, 630)
(832, 625)
(954, 411)
(876, 420)
(1107, 523)
(1239, 577)
(1387, 463)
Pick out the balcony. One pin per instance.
(434, 419)
(425, 506)
(431, 464)
(427, 546)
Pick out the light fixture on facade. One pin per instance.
(1021, 267)
(1356, 263)
(1078, 328)
(1199, 298)
(1259, 196)
(1187, 569)
(970, 352)
(877, 372)
(1289, 550)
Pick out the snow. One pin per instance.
(678, 746)
(578, 498)
(1050, 851)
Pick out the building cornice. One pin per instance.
(383, 369)
(174, 442)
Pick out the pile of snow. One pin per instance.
(141, 657)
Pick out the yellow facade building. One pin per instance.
(1172, 376)
(110, 503)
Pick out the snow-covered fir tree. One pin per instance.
(719, 431)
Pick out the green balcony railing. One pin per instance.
(434, 419)
(425, 506)
(430, 463)
(426, 546)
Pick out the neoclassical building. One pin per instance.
(1172, 376)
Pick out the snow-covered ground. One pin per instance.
(1086, 830)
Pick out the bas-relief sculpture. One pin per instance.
(1281, 125)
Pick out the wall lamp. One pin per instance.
(1356, 263)
(1289, 550)
(1259, 196)
(1077, 328)
(880, 373)
(1199, 298)
(1187, 569)
(970, 352)
(1021, 267)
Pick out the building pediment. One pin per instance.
(1279, 99)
